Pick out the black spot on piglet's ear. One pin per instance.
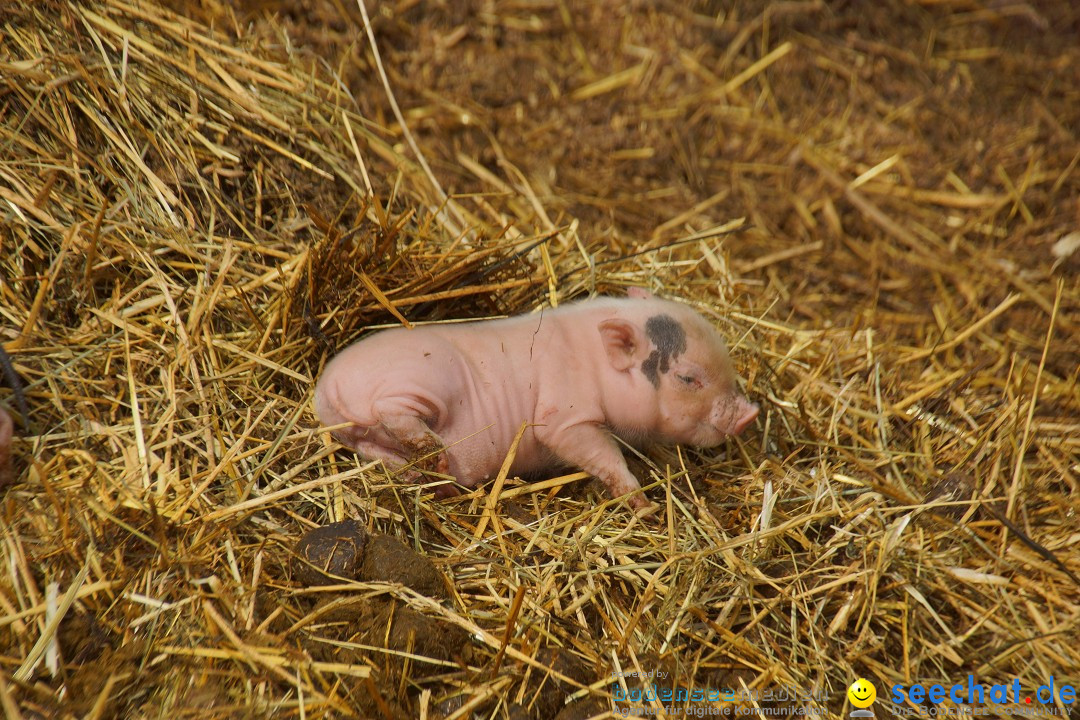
(669, 338)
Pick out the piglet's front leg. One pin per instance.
(593, 449)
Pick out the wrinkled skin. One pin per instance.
(451, 398)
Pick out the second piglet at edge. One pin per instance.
(645, 369)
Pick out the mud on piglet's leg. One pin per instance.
(418, 442)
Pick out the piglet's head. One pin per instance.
(691, 396)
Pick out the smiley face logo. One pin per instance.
(862, 693)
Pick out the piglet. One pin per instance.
(451, 398)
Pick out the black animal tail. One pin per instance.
(15, 382)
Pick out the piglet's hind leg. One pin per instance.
(417, 441)
(396, 463)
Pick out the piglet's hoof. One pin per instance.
(427, 453)
(330, 554)
(447, 490)
(639, 502)
(647, 510)
(442, 492)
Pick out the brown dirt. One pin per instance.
(330, 554)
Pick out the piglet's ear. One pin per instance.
(622, 340)
(639, 293)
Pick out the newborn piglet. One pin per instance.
(641, 368)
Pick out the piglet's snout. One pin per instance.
(749, 414)
(732, 417)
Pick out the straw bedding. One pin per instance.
(199, 204)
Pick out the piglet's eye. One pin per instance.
(688, 379)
